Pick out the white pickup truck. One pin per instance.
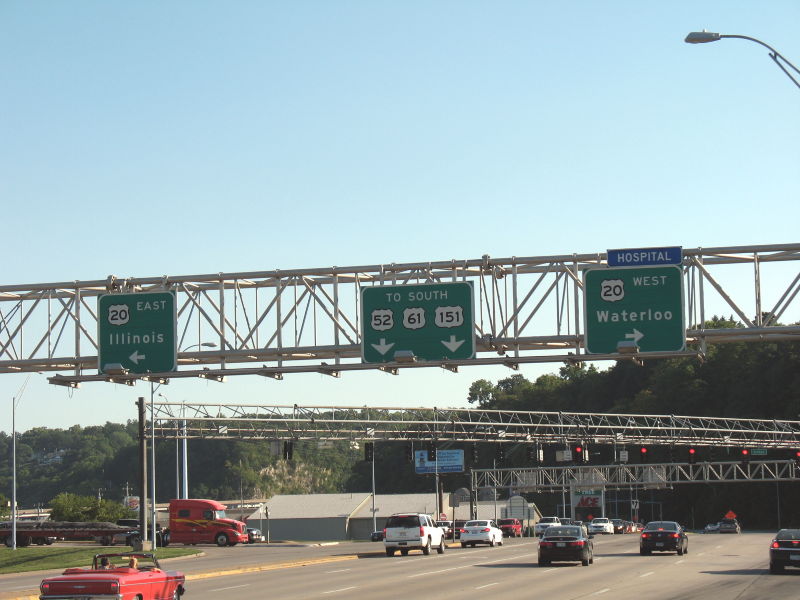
(409, 531)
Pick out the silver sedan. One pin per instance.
(481, 532)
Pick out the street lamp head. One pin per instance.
(702, 37)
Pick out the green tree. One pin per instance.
(72, 507)
(5, 507)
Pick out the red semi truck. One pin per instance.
(203, 522)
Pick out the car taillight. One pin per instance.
(644, 535)
(676, 535)
(115, 587)
(485, 529)
(45, 587)
(776, 545)
(421, 531)
(384, 532)
(545, 544)
(462, 531)
(578, 543)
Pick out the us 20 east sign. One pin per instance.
(643, 305)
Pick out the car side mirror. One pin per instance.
(591, 536)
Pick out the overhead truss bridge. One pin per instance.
(269, 323)
(439, 425)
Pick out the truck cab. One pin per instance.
(203, 522)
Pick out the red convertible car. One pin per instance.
(125, 576)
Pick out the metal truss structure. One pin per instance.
(527, 310)
(440, 425)
(646, 476)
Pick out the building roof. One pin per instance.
(313, 506)
(389, 504)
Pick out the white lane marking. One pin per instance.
(467, 566)
(548, 570)
(679, 562)
(603, 591)
(337, 571)
(487, 585)
(646, 574)
(340, 590)
(233, 587)
(701, 554)
(717, 547)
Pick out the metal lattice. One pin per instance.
(527, 310)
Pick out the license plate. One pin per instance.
(560, 544)
(794, 557)
(659, 543)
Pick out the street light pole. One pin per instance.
(704, 37)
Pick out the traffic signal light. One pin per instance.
(432, 453)
(535, 454)
(500, 454)
(745, 456)
(409, 452)
(796, 455)
(369, 451)
(580, 454)
(288, 449)
(474, 453)
(692, 455)
(643, 454)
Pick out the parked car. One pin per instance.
(544, 523)
(711, 528)
(254, 535)
(619, 525)
(447, 527)
(481, 532)
(729, 526)
(146, 582)
(409, 531)
(601, 525)
(510, 527)
(663, 536)
(784, 551)
(566, 543)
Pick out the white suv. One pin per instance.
(407, 531)
(544, 523)
(601, 525)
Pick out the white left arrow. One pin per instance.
(136, 357)
(383, 347)
(635, 336)
(453, 344)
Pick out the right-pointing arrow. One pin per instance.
(383, 347)
(453, 344)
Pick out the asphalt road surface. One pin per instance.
(724, 567)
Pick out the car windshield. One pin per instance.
(442, 523)
(600, 520)
(403, 521)
(506, 521)
(728, 522)
(562, 531)
(788, 534)
(477, 524)
(549, 520)
(220, 514)
(661, 526)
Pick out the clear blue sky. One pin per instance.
(148, 138)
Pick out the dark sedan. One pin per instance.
(663, 536)
(784, 551)
(567, 543)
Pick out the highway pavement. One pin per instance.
(716, 567)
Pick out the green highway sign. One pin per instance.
(639, 306)
(426, 322)
(137, 332)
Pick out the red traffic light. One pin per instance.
(579, 449)
(692, 450)
(745, 452)
(643, 450)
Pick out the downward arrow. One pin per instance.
(453, 344)
(383, 347)
(136, 357)
(635, 336)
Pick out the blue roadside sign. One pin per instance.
(447, 461)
